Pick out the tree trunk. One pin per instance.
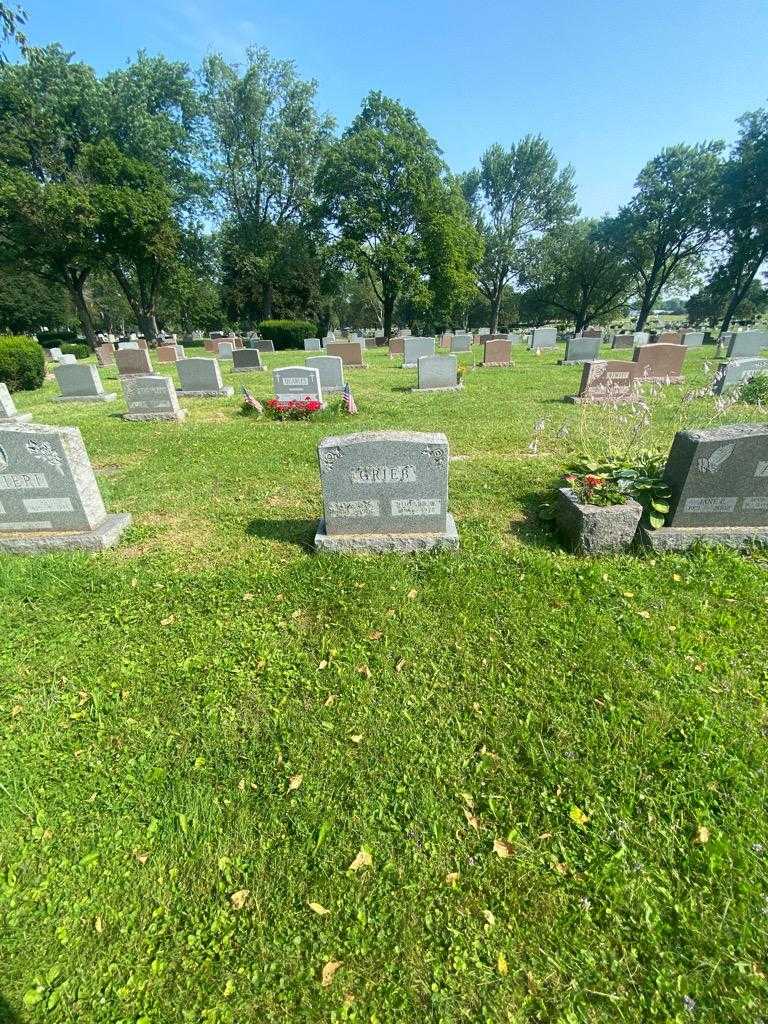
(267, 305)
(645, 312)
(495, 307)
(389, 307)
(582, 318)
(75, 281)
(148, 325)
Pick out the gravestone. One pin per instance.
(225, 349)
(152, 398)
(331, 370)
(747, 343)
(350, 353)
(623, 341)
(81, 383)
(543, 337)
(170, 353)
(396, 346)
(668, 338)
(437, 373)
(8, 411)
(641, 338)
(660, 362)
(483, 330)
(592, 332)
(461, 343)
(385, 491)
(693, 339)
(133, 362)
(201, 378)
(607, 381)
(123, 346)
(312, 345)
(55, 354)
(67, 360)
(581, 350)
(211, 345)
(297, 383)
(247, 360)
(49, 498)
(735, 372)
(724, 341)
(106, 354)
(497, 352)
(262, 344)
(719, 484)
(415, 348)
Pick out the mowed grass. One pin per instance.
(556, 767)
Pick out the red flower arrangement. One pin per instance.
(295, 409)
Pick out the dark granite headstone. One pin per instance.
(247, 360)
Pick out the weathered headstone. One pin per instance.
(123, 346)
(396, 346)
(331, 370)
(55, 354)
(747, 343)
(81, 383)
(415, 348)
(581, 350)
(607, 381)
(668, 338)
(483, 331)
(312, 345)
(641, 338)
(67, 359)
(592, 332)
(133, 362)
(152, 398)
(211, 345)
(543, 337)
(497, 352)
(297, 383)
(461, 343)
(719, 484)
(49, 498)
(106, 354)
(350, 353)
(660, 362)
(8, 411)
(225, 349)
(247, 360)
(262, 344)
(623, 341)
(385, 491)
(735, 372)
(693, 339)
(201, 378)
(437, 373)
(170, 353)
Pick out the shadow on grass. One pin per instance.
(288, 531)
(534, 532)
(7, 1015)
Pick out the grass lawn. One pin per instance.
(524, 786)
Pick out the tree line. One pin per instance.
(162, 197)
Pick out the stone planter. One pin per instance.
(594, 529)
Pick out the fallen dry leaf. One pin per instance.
(169, 621)
(318, 908)
(412, 594)
(701, 836)
(644, 614)
(294, 782)
(362, 860)
(142, 858)
(328, 972)
(472, 819)
(364, 671)
(239, 899)
(329, 700)
(400, 665)
(98, 924)
(489, 917)
(356, 739)
(247, 597)
(376, 635)
(16, 710)
(323, 664)
(452, 877)
(502, 848)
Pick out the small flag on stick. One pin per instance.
(252, 401)
(349, 401)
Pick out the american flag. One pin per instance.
(348, 400)
(250, 400)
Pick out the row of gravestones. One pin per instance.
(382, 491)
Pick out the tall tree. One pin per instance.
(389, 201)
(578, 270)
(742, 213)
(265, 141)
(667, 224)
(515, 195)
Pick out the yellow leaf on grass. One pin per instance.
(489, 917)
(247, 597)
(294, 782)
(452, 877)
(329, 700)
(318, 908)
(501, 965)
(376, 635)
(502, 848)
(16, 710)
(400, 665)
(578, 816)
(239, 899)
(701, 836)
(328, 972)
(472, 819)
(644, 614)
(169, 621)
(412, 594)
(142, 858)
(364, 671)
(356, 739)
(323, 664)
(362, 860)
(98, 924)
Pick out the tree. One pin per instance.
(669, 221)
(576, 269)
(190, 296)
(29, 302)
(387, 197)
(712, 301)
(742, 213)
(265, 140)
(515, 195)
(11, 21)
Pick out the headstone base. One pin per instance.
(613, 400)
(14, 421)
(660, 380)
(424, 391)
(680, 538)
(505, 366)
(573, 362)
(141, 417)
(249, 369)
(387, 543)
(106, 396)
(225, 392)
(104, 536)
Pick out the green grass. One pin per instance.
(156, 699)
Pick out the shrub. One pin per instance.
(22, 363)
(287, 333)
(755, 390)
(78, 350)
(52, 338)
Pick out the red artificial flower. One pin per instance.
(593, 481)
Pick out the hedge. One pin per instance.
(78, 350)
(52, 338)
(22, 363)
(287, 333)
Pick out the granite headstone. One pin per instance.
(437, 373)
(152, 398)
(81, 383)
(200, 377)
(297, 383)
(247, 360)
(331, 370)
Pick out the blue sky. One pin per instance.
(608, 84)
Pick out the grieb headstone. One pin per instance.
(497, 352)
(81, 383)
(660, 362)
(247, 360)
(350, 353)
(49, 498)
(133, 362)
(331, 370)
(737, 372)
(416, 347)
(607, 381)
(544, 337)
(8, 411)
(201, 378)
(437, 373)
(581, 350)
(747, 343)
(312, 345)
(719, 484)
(461, 343)
(297, 383)
(152, 398)
(385, 491)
